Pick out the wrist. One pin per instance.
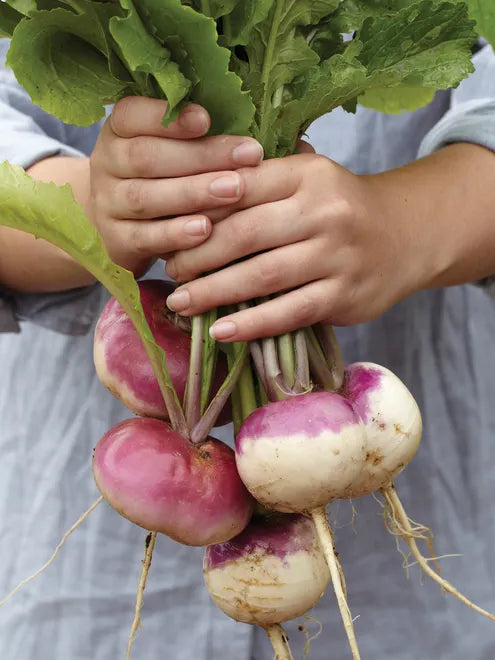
(441, 210)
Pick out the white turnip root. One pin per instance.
(302, 452)
(121, 361)
(297, 455)
(272, 572)
(393, 432)
(392, 421)
(159, 480)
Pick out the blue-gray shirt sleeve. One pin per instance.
(471, 118)
(27, 136)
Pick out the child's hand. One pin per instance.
(150, 186)
(309, 229)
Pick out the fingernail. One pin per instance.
(194, 120)
(197, 227)
(248, 153)
(179, 300)
(226, 186)
(223, 330)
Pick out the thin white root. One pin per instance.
(57, 549)
(280, 642)
(325, 537)
(310, 638)
(148, 554)
(409, 534)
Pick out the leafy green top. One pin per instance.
(267, 68)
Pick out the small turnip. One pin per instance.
(299, 454)
(392, 420)
(272, 572)
(302, 452)
(160, 481)
(120, 357)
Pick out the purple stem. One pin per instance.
(273, 372)
(257, 355)
(331, 350)
(317, 362)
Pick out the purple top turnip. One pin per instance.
(272, 572)
(392, 420)
(302, 452)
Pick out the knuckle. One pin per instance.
(141, 154)
(134, 196)
(269, 274)
(307, 310)
(120, 115)
(192, 195)
(138, 241)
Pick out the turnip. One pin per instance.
(272, 572)
(393, 432)
(300, 453)
(392, 421)
(120, 357)
(159, 480)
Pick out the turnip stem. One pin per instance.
(303, 380)
(192, 405)
(397, 512)
(285, 344)
(331, 350)
(257, 356)
(272, 368)
(57, 549)
(325, 537)
(317, 362)
(210, 351)
(207, 421)
(148, 554)
(280, 642)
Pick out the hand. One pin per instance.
(310, 230)
(150, 186)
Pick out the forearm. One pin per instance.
(33, 265)
(447, 202)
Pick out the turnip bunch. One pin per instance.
(307, 431)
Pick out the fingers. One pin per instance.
(279, 270)
(158, 236)
(272, 180)
(293, 310)
(247, 232)
(137, 115)
(154, 198)
(154, 157)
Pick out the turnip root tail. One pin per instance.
(280, 642)
(55, 553)
(325, 537)
(404, 529)
(148, 554)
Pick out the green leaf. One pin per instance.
(9, 18)
(49, 212)
(394, 100)
(23, 6)
(61, 59)
(142, 52)
(192, 39)
(239, 24)
(483, 12)
(277, 55)
(426, 47)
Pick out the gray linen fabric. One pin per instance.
(53, 410)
